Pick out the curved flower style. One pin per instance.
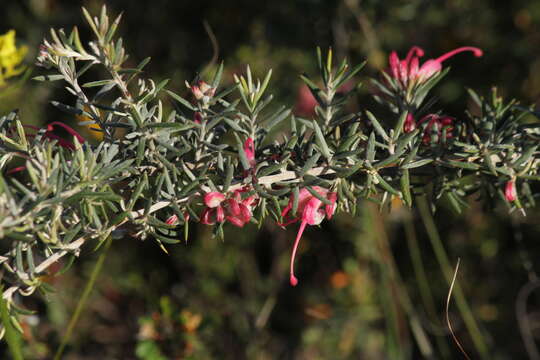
(311, 213)
(409, 70)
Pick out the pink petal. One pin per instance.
(330, 209)
(213, 199)
(172, 220)
(235, 221)
(427, 70)
(510, 191)
(311, 214)
(233, 207)
(249, 150)
(245, 213)
(393, 60)
(220, 214)
(208, 216)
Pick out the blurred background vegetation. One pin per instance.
(363, 286)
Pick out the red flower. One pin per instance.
(510, 192)
(235, 210)
(409, 69)
(213, 211)
(309, 208)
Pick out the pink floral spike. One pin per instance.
(510, 192)
(249, 150)
(309, 207)
(433, 66)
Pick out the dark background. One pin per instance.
(231, 300)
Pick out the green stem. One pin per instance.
(389, 262)
(442, 258)
(84, 297)
(422, 281)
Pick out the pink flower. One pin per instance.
(510, 192)
(405, 70)
(309, 208)
(409, 69)
(202, 91)
(214, 211)
(249, 150)
(235, 210)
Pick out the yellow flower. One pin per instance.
(10, 57)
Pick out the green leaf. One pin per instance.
(321, 142)
(98, 83)
(377, 126)
(181, 100)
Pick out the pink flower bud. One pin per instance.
(510, 192)
(172, 220)
(249, 150)
(410, 124)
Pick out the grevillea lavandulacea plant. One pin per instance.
(214, 158)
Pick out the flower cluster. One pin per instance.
(220, 208)
(409, 72)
